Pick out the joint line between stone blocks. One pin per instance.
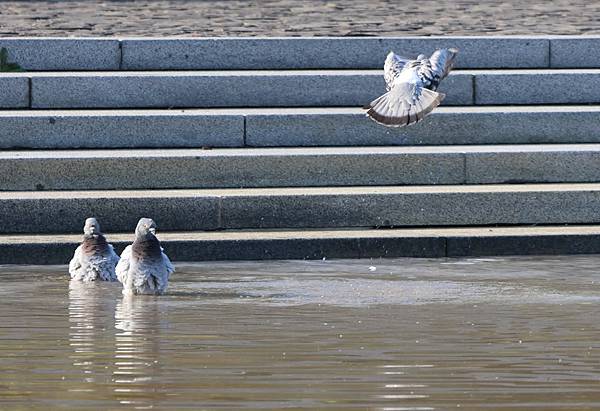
(474, 88)
(446, 247)
(120, 55)
(30, 93)
(220, 213)
(245, 130)
(465, 175)
(549, 53)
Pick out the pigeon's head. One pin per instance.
(146, 227)
(91, 227)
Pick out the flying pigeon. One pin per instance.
(411, 86)
(144, 268)
(94, 259)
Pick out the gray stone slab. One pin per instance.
(36, 253)
(544, 164)
(190, 249)
(96, 129)
(309, 244)
(189, 210)
(14, 92)
(304, 248)
(400, 207)
(293, 167)
(523, 245)
(118, 212)
(222, 89)
(575, 52)
(136, 169)
(63, 54)
(473, 125)
(335, 53)
(538, 87)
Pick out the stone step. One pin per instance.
(288, 88)
(323, 207)
(206, 89)
(297, 167)
(324, 243)
(43, 54)
(276, 127)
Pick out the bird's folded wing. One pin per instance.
(75, 263)
(168, 264)
(114, 258)
(122, 269)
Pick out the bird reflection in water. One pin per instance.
(137, 352)
(88, 325)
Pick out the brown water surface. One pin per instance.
(492, 334)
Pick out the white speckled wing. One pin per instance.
(393, 66)
(442, 62)
(168, 270)
(112, 259)
(75, 264)
(124, 265)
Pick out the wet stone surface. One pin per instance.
(296, 18)
(406, 334)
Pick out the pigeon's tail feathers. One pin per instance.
(403, 105)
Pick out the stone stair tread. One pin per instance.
(292, 151)
(303, 191)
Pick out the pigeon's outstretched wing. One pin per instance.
(412, 90)
(394, 64)
(442, 62)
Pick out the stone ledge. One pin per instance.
(331, 53)
(221, 89)
(318, 244)
(119, 129)
(63, 54)
(14, 92)
(297, 167)
(281, 208)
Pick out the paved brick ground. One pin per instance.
(297, 18)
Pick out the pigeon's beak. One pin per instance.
(152, 230)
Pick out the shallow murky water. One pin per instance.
(494, 334)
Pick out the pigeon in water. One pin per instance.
(411, 86)
(144, 268)
(94, 259)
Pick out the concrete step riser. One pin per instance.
(291, 89)
(294, 127)
(301, 208)
(294, 53)
(14, 92)
(204, 170)
(119, 130)
(142, 169)
(322, 244)
(206, 90)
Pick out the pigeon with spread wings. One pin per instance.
(411, 86)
